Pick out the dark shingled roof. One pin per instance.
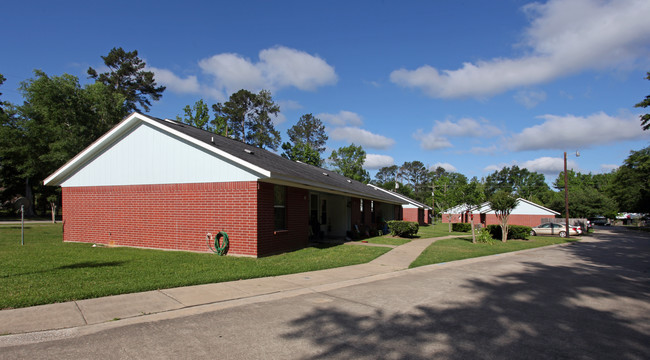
(282, 169)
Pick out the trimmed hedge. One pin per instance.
(461, 227)
(514, 231)
(403, 228)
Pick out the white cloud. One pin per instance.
(289, 105)
(376, 161)
(465, 127)
(530, 98)
(431, 141)
(279, 119)
(548, 165)
(284, 67)
(343, 118)
(576, 132)
(564, 37)
(361, 137)
(544, 165)
(447, 166)
(174, 83)
(483, 150)
(278, 67)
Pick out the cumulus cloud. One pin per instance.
(278, 67)
(563, 37)
(447, 166)
(570, 131)
(544, 165)
(431, 141)
(376, 161)
(343, 118)
(361, 137)
(465, 127)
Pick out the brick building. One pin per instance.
(158, 183)
(526, 213)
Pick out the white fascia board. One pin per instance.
(122, 128)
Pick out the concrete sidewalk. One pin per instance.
(100, 310)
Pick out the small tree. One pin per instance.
(503, 202)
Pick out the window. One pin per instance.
(280, 207)
(363, 214)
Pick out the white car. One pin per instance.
(555, 230)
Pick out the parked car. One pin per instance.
(554, 229)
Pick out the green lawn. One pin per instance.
(462, 248)
(438, 230)
(46, 270)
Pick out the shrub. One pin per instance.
(403, 228)
(461, 227)
(484, 237)
(514, 231)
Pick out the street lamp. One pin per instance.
(566, 195)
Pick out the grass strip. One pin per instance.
(446, 250)
(46, 270)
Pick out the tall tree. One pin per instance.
(348, 161)
(473, 195)
(416, 176)
(645, 118)
(196, 115)
(503, 202)
(449, 189)
(57, 120)
(306, 140)
(519, 181)
(386, 177)
(127, 75)
(631, 183)
(248, 118)
(589, 195)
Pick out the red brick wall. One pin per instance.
(296, 236)
(491, 219)
(173, 216)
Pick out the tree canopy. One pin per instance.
(348, 161)
(306, 141)
(645, 118)
(127, 75)
(631, 183)
(520, 181)
(503, 202)
(248, 118)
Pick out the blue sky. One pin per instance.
(468, 85)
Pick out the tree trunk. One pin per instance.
(53, 205)
(473, 233)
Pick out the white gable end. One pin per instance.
(147, 155)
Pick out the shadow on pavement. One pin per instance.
(595, 309)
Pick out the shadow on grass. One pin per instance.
(595, 308)
(91, 264)
(81, 265)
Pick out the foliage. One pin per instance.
(461, 227)
(46, 270)
(309, 130)
(502, 203)
(645, 118)
(589, 195)
(631, 183)
(416, 177)
(403, 228)
(484, 237)
(57, 120)
(306, 141)
(248, 118)
(385, 177)
(196, 115)
(514, 232)
(127, 76)
(520, 181)
(348, 161)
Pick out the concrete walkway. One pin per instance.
(100, 310)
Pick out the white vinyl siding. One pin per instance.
(147, 155)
